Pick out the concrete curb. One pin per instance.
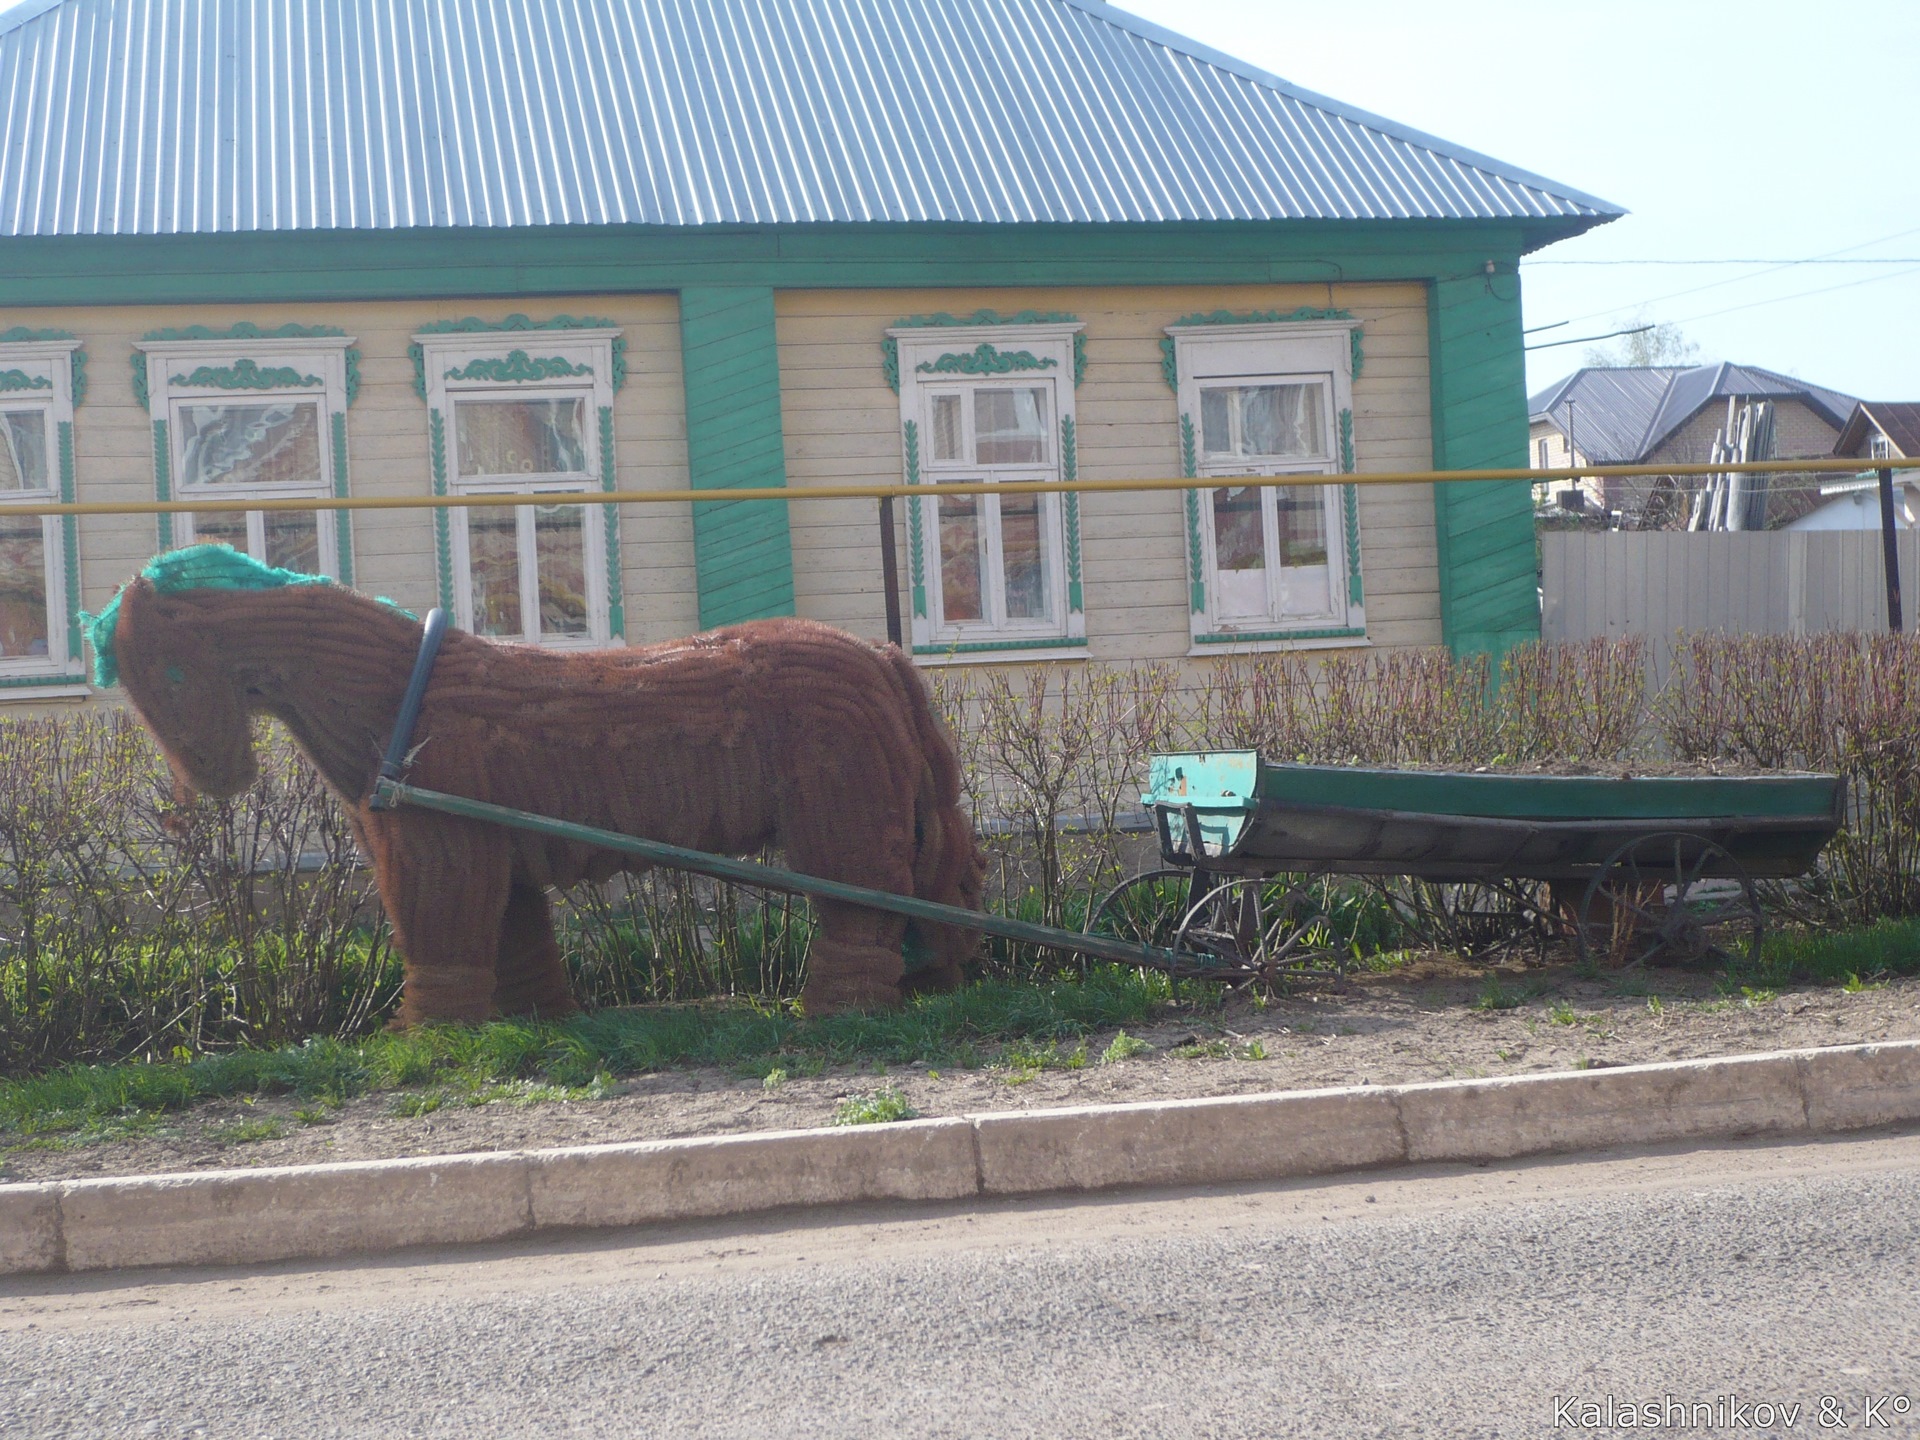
(313, 1212)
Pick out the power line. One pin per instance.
(1800, 295)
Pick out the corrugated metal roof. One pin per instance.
(1622, 413)
(207, 116)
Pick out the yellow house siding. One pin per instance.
(843, 425)
(387, 442)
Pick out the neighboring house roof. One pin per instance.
(208, 116)
(1622, 414)
(1898, 420)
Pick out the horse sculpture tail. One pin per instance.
(947, 865)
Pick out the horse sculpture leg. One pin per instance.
(531, 979)
(855, 962)
(445, 887)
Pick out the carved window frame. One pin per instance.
(243, 369)
(1320, 351)
(551, 361)
(947, 359)
(43, 373)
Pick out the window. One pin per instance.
(1879, 448)
(509, 419)
(244, 418)
(39, 636)
(994, 405)
(1269, 563)
(1540, 462)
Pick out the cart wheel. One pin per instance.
(1513, 919)
(1145, 909)
(1675, 899)
(1265, 930)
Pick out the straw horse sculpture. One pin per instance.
(777, 732)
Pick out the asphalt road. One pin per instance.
(1715, 1285)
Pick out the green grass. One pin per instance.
(969, 1028)
(881, 1107)
(1890, 947)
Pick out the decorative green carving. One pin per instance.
(247, 330)
(139, 361)
(21, 380)
(163, 481)
(78, 361)
(988, 647)
(353, 375)
(1350, 500)
(1196, 562)
(442, 522)
(890, 347)
(1241, 637)
(916, 552)
(69, 541)
(342, 522)
(472, 325)
(1070, 470)
(517, 367)
(246, 375)
(21, 335)
(983, 359)
(1169, 366)
(610, 518)
(1346, 442)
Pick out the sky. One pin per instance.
(1733, 130)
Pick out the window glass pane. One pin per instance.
(23, 450)
(946, 427)
(960, 567)
(521, 437)
(293, 540)
(1010, 426)
(1216, 424)
(493, 571)
(23, 587)
(560, 562)
(1282, 421)
(1240, 553)
(222, 529)
(273, 444)
(1303, 525)
(1023, 557)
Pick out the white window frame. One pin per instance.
(40, 376)
(944, 360)
(306, 369)
(523, 365)
(1288, 352)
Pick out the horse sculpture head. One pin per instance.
(185, 680)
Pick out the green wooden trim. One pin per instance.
(21, 335)
(916, 553)
(353, 375)
(518, 367)
(442, 521)
(138, 361)
(244, 374)
(890, 363)
(1350, 515)
(1346, 442)
(78, 364)
(1196, 554)
(342, 519)
(890, 347)
(1070, 516)
(162, 482)
(247, 330)
(285, 267)
(69, 542)
(21, 380)
(1169, 362)
(473, 325)
(996, 647)
(1079, 357)
(984, 359)
(1483, 530)
(1340, 632)
(610, 522)
(742, 554)
(48, 681)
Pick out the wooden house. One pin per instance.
(399, 248)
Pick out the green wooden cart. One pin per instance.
(1637, 868)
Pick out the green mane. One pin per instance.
(198, 567)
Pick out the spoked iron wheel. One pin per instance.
(1145, 909)
(1510, 920)
(1672, 899)
(1267, 930)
